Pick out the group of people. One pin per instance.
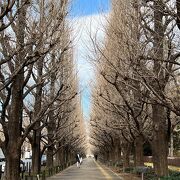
(78, 160)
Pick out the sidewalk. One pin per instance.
(89, 170)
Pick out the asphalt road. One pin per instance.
(89, 170)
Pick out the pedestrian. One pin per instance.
(96, 156)
(81, 160)
(78, 160)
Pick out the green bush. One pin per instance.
(129, 169)
(173, 175)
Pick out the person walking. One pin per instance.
(81, 160)
(95, 156)
(78, 160)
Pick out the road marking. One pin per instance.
(107, 176)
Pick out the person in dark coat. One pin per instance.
(95, 156)
(78, 160)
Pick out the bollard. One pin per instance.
(142, 170)
(38, 177)
(142, 176)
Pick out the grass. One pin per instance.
(173, 168)
(130, 173)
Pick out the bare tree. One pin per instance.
(140, 60)
(7, 13)
(30, 69)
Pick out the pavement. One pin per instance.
(89, 170)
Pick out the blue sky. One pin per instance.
(88, 12)
(88, 7)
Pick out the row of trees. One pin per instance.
(40, 101)
(136, 96)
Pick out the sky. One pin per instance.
(89, 7)
(89, 18)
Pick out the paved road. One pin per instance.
(89, 170)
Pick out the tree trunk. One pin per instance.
(178, 13)
(160, 141)
(36, 151)
(171, 149)
(126, 149)
(126, 159)
(67, 154)
(50, 157)
(112, 155)
(117, 151)
(13, 148)
(139, 157)
(50, 149)
(160, 133)
(12, 170)
(36, 154)
(107, 156)
(61, 155)
(13, 143)
(51, 125)
(58, 155)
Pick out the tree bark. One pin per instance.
(126, 149)
(13, 143)
(160, 133)
(13, 148)
(117, 151)
(160, 141)
(50, 149)
(171, 149)
(36, 149)
(59, 156)
(178, 13)
(139, 157)
(51, 125)
(107, 156)
(36, 155)
(112, 155)
(12, 171)
(50, 162)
